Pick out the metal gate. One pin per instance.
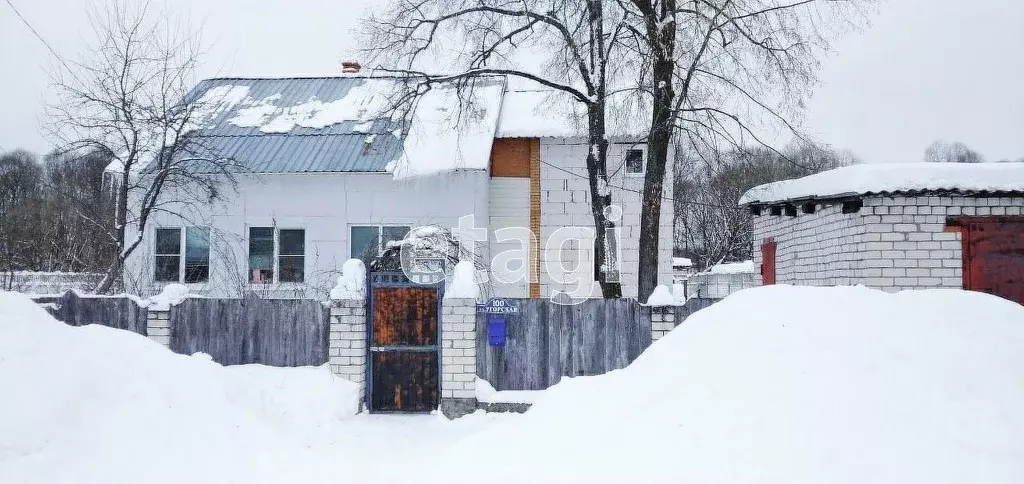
(403, 343)
(993, 258)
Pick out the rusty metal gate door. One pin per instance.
(994, 256)
(768, 248)
(403, 344)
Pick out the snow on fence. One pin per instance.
(121, 312)
(544, 341)
(48, 282)
(710, 285)
(274, 332)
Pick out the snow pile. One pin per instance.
(448, 133)
(171, 295)
(790, 385)
(662, 296)
(745, 267)
(95, 404)
(486, 393)
(463, 285)
(352, 282)
(894, 177)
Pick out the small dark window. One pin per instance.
(852, 206)
(755, 210)
(197, 255)
(292, 258)
(790, 210)
(634, 162)
(809, 207)
(168, 255)
(776, 210)
(261, 255)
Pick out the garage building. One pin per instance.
(895, 227)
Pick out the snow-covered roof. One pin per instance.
(681, 262)
(865, 179)
(550, 113)
(344, 124)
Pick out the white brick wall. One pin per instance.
(565, 201)
(892, 243)
(818, 249)
(346, 348)
(158, 327)
(662, 321)
(458, 349)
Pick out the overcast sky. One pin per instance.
(923, 70)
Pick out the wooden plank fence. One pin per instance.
(545, 341)
(121, 312)
(275, 332)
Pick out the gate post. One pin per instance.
(458, 357)
(346, 348)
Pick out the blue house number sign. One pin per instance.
(496, 309)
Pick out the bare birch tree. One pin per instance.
(129, 96)
(723, 74)
(573, 38)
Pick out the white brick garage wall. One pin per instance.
(892, 243)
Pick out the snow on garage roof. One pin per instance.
(891, 178)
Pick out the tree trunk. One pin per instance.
(121, 217)
(662, 58)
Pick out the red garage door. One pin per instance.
(768, 248)
(994, 256)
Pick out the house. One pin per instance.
(331, 171)
(895, 227)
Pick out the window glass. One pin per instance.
(168, 241)
(634, 161)
(197, 254)
(364, 243)
(168, 255)
(261, 255)
(392, 234)
(292, 268)
(293, 242)
(291, 250)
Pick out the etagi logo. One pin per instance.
(567, 256)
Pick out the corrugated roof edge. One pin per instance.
(900, 193)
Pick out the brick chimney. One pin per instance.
(350, 67)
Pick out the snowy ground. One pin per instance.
(773, 385)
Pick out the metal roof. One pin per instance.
(235, 123)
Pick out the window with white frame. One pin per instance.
(369, 241)
(635, 162)
(276, 255)
(182, 255)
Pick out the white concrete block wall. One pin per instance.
(158, 327)
(458, 350)
(565, 201)
(818, 249)
(346, 348)
(662, 321)
(892, 243)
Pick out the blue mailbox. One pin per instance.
(496, 309)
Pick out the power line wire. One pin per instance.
(36, 33)
(638, 191)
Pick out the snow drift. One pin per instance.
(789, 385)
(94, 404)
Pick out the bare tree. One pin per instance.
(722, 75)
(20, 202)
(575, 39)
(130, 97)
(710, 226)
(955, 152)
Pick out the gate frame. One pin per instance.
(390, 279)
